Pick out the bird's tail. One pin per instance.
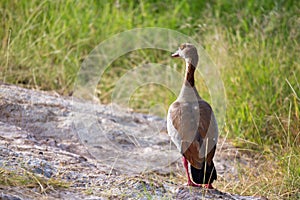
(206, 175)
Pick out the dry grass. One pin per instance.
(25, 179)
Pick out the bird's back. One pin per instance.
(193, 129)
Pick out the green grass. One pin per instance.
(255, 44)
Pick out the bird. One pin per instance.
(192, 125)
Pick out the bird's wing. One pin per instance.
(193, 129)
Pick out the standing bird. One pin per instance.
(192, 125)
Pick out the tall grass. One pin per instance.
(255, 44)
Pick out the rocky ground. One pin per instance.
(55, 147)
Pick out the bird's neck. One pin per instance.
(188, 91)
(189, 80)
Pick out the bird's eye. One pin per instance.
(182, 46)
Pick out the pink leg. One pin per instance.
(190, 182)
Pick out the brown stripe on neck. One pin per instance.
(189, 76)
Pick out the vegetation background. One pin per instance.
(255, 44)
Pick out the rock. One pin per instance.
(188, 193)
(101, 151)
(9, 197)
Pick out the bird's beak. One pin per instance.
(176, 54)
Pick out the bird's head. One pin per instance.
(188, 52)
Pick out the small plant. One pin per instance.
(26, 179)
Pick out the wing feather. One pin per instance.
(193, 129)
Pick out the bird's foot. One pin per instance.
(208, 186)
(190, 183)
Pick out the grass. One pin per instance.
(255, 44)
(24, 178)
